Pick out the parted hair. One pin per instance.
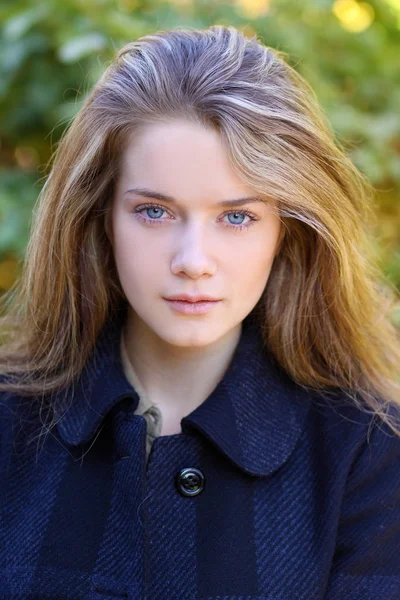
(327, 311)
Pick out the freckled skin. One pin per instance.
(195, 249)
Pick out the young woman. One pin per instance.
(200, 393)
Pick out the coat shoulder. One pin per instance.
(21, 420)
(353, 427)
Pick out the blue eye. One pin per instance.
(156, 218)
(155, 208)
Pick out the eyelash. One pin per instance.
(141, 208)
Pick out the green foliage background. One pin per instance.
(52, 53)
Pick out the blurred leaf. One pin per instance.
(9, 270)
(78, 47)
(15, 27)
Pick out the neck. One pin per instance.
(178, 379)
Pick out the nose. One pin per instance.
(192, 254)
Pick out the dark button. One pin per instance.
(190, 481)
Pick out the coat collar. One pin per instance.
(254, 416)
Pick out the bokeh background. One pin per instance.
(52, 52)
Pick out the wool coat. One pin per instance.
(270, 492)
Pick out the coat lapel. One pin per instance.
(254, 416)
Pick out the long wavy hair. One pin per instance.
(326, 313)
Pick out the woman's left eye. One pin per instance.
(156, 220)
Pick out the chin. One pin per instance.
(189, 335)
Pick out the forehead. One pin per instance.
(173, 140)
(181, 160)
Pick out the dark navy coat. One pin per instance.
(271, 492)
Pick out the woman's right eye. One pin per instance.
(158, 210)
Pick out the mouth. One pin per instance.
(192, 308)
(192, 299)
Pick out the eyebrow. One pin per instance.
(159, 196)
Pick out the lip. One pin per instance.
(192, 308)
(189, 298)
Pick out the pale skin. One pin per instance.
(195, 247)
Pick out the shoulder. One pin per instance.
(357, 436)
(20, 423)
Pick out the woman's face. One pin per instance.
(189, 244)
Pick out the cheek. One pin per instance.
(252, 260)
(137, 264)
(250, 268)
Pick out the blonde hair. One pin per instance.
(326, 311)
